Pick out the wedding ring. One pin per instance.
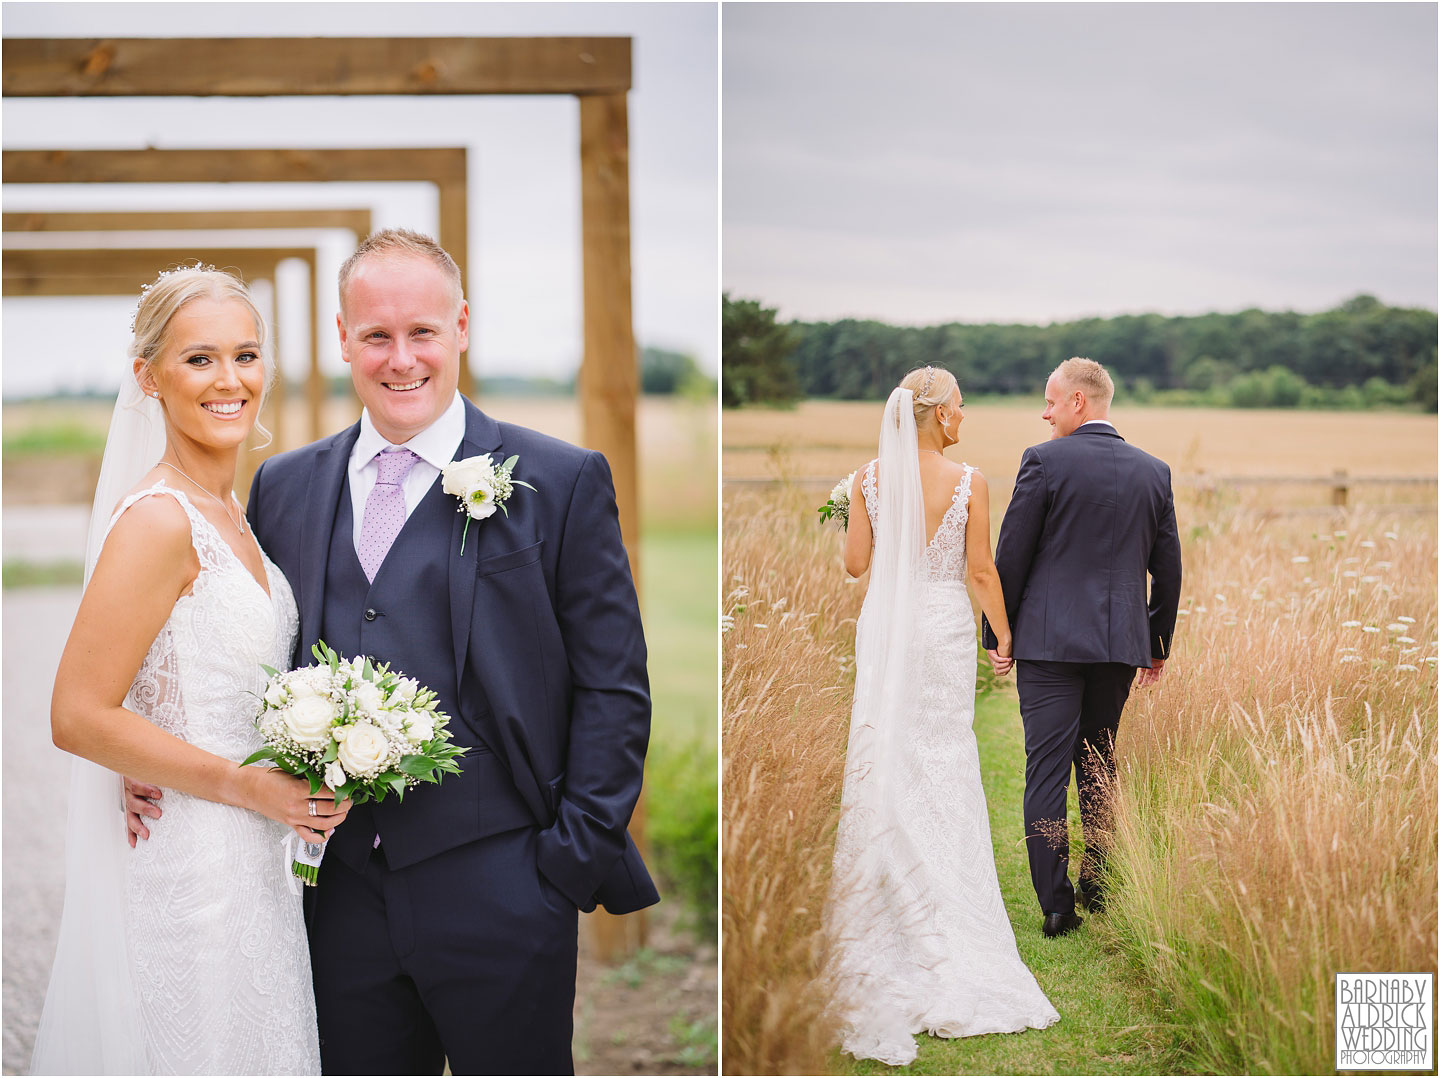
(311, 803)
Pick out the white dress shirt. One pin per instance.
(436, 446)
(1084, 424)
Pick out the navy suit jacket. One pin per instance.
(1090, 518)
(549, 650)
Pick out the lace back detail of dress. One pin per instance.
(945, 554)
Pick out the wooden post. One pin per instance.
(454, 237)
(608, 379)
(1340, 490)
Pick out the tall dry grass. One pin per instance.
(1275, 812)
(786, 689)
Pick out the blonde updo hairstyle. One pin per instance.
(931, 386)
(161, 301)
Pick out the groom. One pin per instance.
(1090, 518)
(444, 926)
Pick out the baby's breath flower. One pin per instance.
(1349, 625)
(1299, 559)
(1371, 629)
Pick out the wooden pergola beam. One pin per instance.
(356, 221)
(122, 271)
(445, 167)
(289, 67)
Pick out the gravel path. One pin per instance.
(36, 779)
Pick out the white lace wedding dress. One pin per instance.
(923, 942)
(215, 936)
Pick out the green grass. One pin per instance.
(679, 590)
(62, 437)
(1107, 1024)
(28, 574)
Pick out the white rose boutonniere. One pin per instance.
(482, 487)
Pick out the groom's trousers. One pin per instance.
(467, 956)
(1071, 712)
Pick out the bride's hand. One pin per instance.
(288, 800)
(1001, 663)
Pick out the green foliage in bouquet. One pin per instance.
(360, 728)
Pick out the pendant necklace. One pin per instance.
(216, 500)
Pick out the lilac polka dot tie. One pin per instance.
(384, 509)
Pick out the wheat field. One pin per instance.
(1276, 804)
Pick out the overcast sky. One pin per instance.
(524, 197)
(922, 163)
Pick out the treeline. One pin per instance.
(1362, 354)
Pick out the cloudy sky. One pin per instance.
(525, 277)
(920, 163)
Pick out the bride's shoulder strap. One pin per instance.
(962, 490)
(203, 536)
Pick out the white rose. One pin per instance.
(420, 727)
(275, 695)
(334, 775)
(460, 476)
(363, 748)
(368, 697)
(307, 721)
(405, 691)
(311, 681)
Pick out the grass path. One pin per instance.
(1108, 1024)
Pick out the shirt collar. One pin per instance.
(436, 445)
(1104, 421)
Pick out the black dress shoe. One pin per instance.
(1092, 898)
(1058, 924)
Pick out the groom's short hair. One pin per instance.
(1089, 377)
(401, 241)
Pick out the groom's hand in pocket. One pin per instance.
(139, 802)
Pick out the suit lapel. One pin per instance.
(482, 435)
(322, 496)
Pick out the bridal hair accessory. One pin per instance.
(158, 278)
(482, 487)
(929, 379)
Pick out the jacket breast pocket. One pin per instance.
(513, 559)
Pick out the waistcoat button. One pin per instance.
(370, 614)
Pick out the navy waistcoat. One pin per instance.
(392, 620)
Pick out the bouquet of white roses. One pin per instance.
(839, 504)
(361, 729)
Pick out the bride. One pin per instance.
(921, 939)
(187, 955)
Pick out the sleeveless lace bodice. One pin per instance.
(922, 942)
(945, 553)
(216, 936)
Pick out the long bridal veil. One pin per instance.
(91, 1024)
(870, 846)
